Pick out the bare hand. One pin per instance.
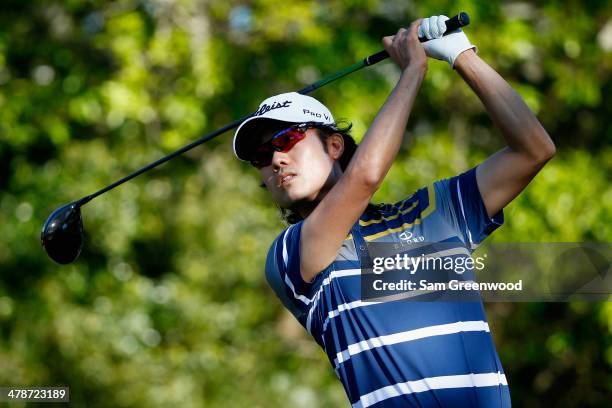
(405, 48)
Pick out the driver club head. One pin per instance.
(62, 234)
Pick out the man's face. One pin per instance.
(300, 173)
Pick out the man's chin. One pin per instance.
(290, 201)
(290, 204)
(295, 197)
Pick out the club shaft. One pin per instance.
(164, 159)
(214, 134)
(458, 21)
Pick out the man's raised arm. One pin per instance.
(326, 227)
(503, 175)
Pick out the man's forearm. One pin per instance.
(510, 114)
(383, 139)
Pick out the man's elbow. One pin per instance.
(368, 177)
(372, 182)
(546, 150)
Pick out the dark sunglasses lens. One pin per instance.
(286, 141)
(262, 156)
(282, 141)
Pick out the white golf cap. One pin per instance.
(290, 107)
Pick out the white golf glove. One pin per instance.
(445, 48)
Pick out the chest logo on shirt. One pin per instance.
(408, 236)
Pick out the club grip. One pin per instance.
(454, 23)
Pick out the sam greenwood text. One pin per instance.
(423, 284)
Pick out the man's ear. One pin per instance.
(335, 145)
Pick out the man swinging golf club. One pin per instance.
(394, 353)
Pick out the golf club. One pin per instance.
(62, 233)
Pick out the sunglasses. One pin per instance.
(282, 141)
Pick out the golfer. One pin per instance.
(391, 353)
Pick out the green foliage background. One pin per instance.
(167, 305)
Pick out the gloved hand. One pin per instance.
(445, 48)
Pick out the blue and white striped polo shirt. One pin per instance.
(400, 353)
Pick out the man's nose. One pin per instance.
(279, 160)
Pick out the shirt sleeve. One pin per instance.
(461, 203)
(283, 270)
